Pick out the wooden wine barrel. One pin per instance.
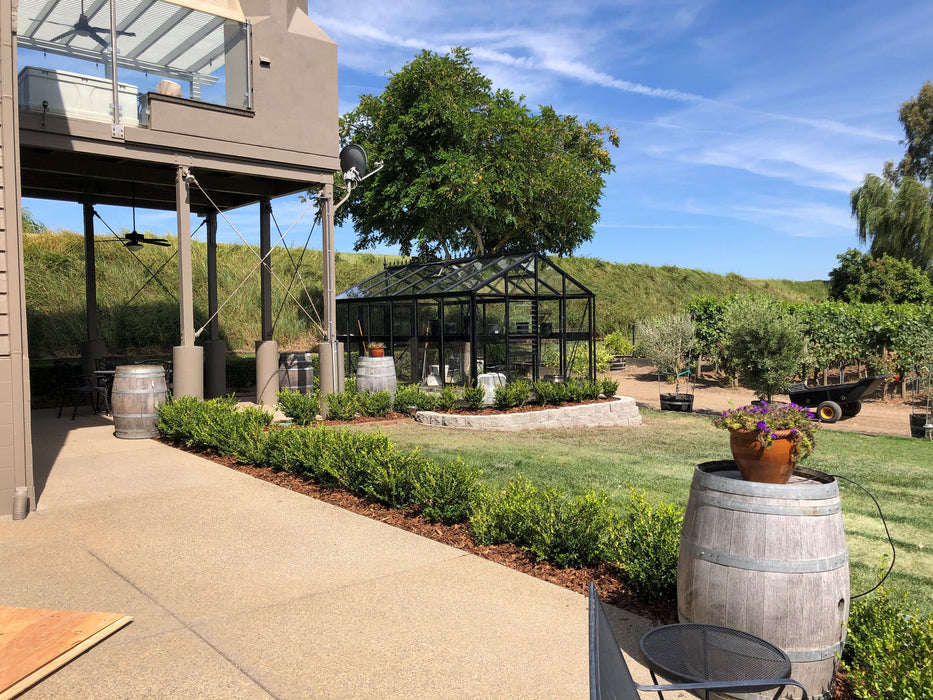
(137, 392)
(376, 374)
(771, 560)
(296, 372)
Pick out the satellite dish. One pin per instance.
(353, 157)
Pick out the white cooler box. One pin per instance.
(76, 96)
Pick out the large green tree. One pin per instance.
(895, 211)
(469, 169)
(867, 279)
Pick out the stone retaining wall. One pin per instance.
(620, 411)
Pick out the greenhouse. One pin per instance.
(510, 317)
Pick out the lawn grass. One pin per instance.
(659, 457)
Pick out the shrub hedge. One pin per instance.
(303, 409)
(889, 650)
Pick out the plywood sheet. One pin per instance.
(34, 643)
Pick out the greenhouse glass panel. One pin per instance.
(458, 319)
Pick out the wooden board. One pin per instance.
(35, 643)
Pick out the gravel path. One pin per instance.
(877, 417)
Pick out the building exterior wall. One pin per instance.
(15, 424)
(295, 109)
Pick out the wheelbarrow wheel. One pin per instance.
(851, 408)
(829, 412)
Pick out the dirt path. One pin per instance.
(876, 417)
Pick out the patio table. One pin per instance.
(693, 653)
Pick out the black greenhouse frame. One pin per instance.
(519, 315)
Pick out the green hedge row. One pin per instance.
(567, 530)
(303, 408)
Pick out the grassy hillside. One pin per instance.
(140, 317)
(628, 292)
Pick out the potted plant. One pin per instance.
(768, 440)
(668, 342)
(921, 419)
(377, 349)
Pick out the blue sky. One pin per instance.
(744, 125)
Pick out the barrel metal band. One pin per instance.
(804, 566)
(769, 509)
(135, 415)
(140, 391)
(814, 654)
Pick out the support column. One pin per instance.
(187, 358)
(267, 350)
(265, 272)
(93, 347)
(331, 352)
(215, 349)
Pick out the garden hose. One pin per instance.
(886, 532)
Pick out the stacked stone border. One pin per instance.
(621, 410)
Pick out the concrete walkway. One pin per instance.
(241, 589)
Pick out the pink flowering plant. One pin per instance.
(767, 419)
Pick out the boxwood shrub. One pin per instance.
(569, 531)
(889, 649)
(647, 544)
(301, 408)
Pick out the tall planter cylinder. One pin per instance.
(296, 372)
(770, 560)
(376, 374)
(137, 392)
(917, 421)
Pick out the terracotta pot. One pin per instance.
(377, 352)
(773, 464)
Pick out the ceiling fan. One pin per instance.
(134, 240)
(83, 28)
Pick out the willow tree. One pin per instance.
(895, 219)
(895, 211)
(472, 170)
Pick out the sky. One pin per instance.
(744, 124)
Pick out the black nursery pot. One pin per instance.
(677, 402)
(917, 421)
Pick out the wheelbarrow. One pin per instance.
(835, 401)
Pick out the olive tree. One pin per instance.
(764, 343)
(667, 341)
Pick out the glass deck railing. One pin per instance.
(166, 47)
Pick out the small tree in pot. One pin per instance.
(764, 343)
(668, 342)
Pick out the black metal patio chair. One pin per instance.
(610, 678)
(77, 389)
